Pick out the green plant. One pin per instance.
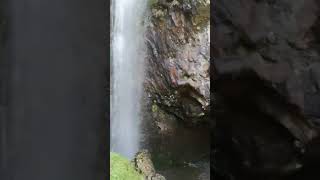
(122, 169)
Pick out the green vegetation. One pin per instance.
(202, 18)
(152, 2)
(122, 169)
(154, 108)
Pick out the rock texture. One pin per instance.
(278, 40)
(178, 58)
(266, 88)
(165, 122)
(144, 165)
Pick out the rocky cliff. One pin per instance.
(178, 58)
(178, 87)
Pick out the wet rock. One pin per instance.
(157, 177)
(165, 122)
(178, 57)
(144, 165)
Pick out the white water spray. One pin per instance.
(127, 58)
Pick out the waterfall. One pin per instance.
(127, 75)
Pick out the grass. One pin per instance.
(122, 169)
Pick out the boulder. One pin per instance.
(144, 165)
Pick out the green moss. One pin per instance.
(202, 18)
(122, 169)
(154, 108)
(152, 2)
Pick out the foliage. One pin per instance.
(152, 2)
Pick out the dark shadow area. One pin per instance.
(258, 133)
(54, 83)
(265, 89)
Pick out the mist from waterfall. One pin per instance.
(127, 74)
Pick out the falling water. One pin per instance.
(127, 57)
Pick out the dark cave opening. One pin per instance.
(258, 133)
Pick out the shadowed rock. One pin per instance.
(144, 165)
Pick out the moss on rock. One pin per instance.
(122, 169)
(152, 2)
(202, 18)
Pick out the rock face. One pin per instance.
(144, 165)
(266, 88)
(178, 58)
(278, 40)
(165, 122)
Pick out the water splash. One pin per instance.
(127, 58)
